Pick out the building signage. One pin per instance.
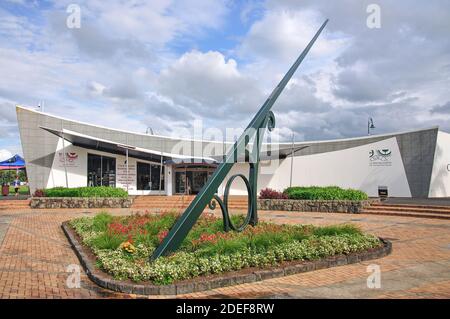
(126, 175)
(381, 157)
(71, 159)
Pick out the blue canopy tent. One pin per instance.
(14, 163)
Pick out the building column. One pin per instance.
(169, 180)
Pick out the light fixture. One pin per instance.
(370, 125)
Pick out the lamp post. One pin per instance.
(41, 106)
(370, 125)
(292, 160)
(149, 129)
(64, 154)
(127, 158)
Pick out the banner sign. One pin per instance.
(124, 178)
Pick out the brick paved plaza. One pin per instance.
(34, 255)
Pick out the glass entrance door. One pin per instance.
(198, 180)
(190, 179)
(180, 183)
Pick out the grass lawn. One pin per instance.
(122, 245)
(23, 190)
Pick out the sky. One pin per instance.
(166, 64)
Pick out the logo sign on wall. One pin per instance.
(70, 157)
(381, 157)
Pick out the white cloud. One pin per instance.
(121, 68)
(5, 154)
(282, 34)
(149, 24)
(209, 85)
(197, 15)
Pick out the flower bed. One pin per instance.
(122, 246)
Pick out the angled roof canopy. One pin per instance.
(94, 143)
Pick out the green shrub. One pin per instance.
(107, 241)
(145, 240)
(223, 247)
(164, 222)
(82, 225)
(337, 230)
(101, 191)
(265, 240)
(324, 193)
(101, 221)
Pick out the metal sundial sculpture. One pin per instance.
(208, 194)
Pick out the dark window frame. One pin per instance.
(107, 172)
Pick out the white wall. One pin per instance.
(440, 177)
(349, 168)
(77, 169)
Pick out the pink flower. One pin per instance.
(162, 234)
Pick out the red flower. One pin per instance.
(162, 234)
(119, 229)
(210, 238)
(130, 239)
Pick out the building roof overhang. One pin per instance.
(94, 143)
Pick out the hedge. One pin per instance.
(324, 193)
(102, 191)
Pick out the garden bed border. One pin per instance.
(80, 202)
(201, 283)
(323, 206)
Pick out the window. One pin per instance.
(143, 176)
(101, 171)
(149, 177)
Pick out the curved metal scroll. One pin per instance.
(227, 222)
(252, 211)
